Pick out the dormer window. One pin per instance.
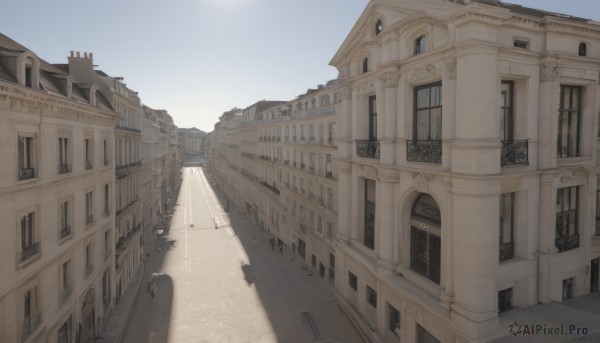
(420, 45)
(30, 76)
(378, 27)
(582, 49)
(365, 67)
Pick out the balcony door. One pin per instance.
(506, 110)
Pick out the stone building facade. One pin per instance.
(57, 194)
(70, 188)
(467, 150)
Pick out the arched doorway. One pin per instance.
(425, 238)
(88, 328)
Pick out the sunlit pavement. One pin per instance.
(226, 284)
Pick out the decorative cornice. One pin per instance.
(549, 72)
(18, 100)
(428, 72)
(390, 79)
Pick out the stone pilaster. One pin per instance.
(547, 249)
(389, 82)
(344, 170)
(477, 148)
(475, 243)
(387, 179)
(548, 113)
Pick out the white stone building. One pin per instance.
(57, 187)
(467, 152)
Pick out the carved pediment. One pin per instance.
(368, 172)
(424, 73)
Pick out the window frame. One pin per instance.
(569, 214)
(352, 281)
(369, 214)
(371, 296)
(27, 159)
(562, 111)
(372, 118)
(507, 224)
(429, 109)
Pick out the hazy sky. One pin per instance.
(199, 58)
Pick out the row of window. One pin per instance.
(27, 157)
(31, 300)
(28, 223)
(298, 133)
(427, 128)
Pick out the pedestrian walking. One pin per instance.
(281, 249)
(148, 287)
(272, 243)
(279, 242)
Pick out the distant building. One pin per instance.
(193, 140)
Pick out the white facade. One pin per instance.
(57, 181)
(459, 200)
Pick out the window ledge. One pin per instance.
(570, 161)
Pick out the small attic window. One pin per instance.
(378, 27)
(521, 44)
(582, 49)
(420, 45)
(365, 65)
(28, 73)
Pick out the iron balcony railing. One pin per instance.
(106, 211)
(65, 293)
(514, 153)
(29, 252)
(89, 219)
(367, 148)
(30, 324)
(63, 168)
(564, 242)
(88, 165)
(302, 165)
(26, 173)
(506, 251)
(88, 270)
(424, 151)
(65, 231)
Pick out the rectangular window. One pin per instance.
(65, 281)
(314, 261)
(329, 233)
(369, 225)
(63, 155)
(26, 158)
(505, 300)
(331, 128)
(568, 288)
(521, 44)
(329, 199)
(352, 281)
(88, 154)
(506, 226)
(506, 110)
(89, 208)
(394, 320)
(29, 245)
(567, 231)
(569, 115)
(372, 118)
(420, 45)
(89, 260)
(106, 289)
(331, 267)
(371, 296)
(31, 312)
(107, 244)
(428, 113)
(64, 219)
(106, 209)
(105, 151)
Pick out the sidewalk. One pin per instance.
(116, 324)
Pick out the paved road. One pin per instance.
(226, 285)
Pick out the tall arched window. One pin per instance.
(425, 238)
(365, 65)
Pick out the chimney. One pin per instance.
(84, 54)
(78, 55)
(72, 54)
